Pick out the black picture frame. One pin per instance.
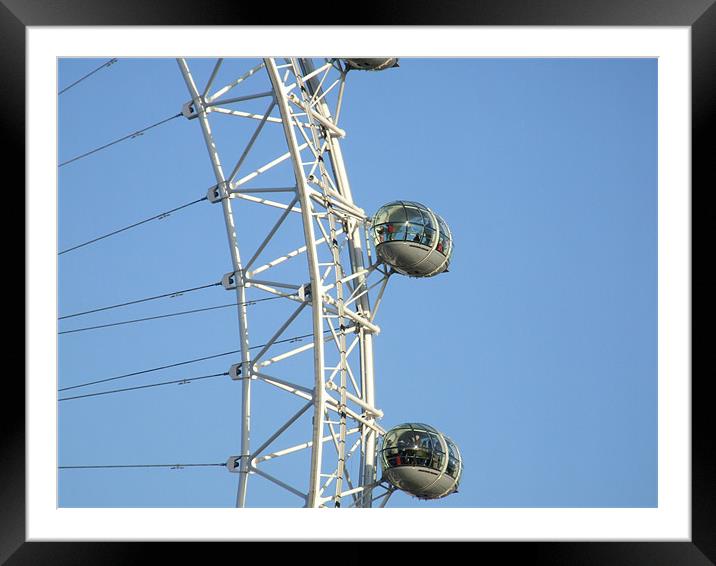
(699, 15)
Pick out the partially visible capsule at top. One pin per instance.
(372, 64)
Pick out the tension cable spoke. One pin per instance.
(159, 216)
(172, 294)
(182, 381)
(172, 466)
(247, 303)
(141, 372)
(128, 136)
(78, 81)
(186, 362)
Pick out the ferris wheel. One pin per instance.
(330, 281)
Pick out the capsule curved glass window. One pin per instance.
(414, 444)
(412, 239)
(454, 467)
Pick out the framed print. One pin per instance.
(660, 512)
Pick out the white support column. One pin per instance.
(200, 106)
(313, 499)
(357, 264)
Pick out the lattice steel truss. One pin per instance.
(337, 289)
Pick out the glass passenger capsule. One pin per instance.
(372, 64)
(412, 239)
(420, 460)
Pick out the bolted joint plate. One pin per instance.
(230, 280)
(304, 292)
(233, 464)
(218, 192)
(188, 110)
(236, 371)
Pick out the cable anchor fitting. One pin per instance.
(218, 192)
(304, 292)
(236, 371)
(231, 280)
(188, 110)
(233, 464)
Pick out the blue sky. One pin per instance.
(536, 353)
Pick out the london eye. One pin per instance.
(298, 237)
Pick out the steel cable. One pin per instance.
(173, 466)
(186, 362)
(144, 300)
(132, 135)
(115, 232)
(185, 380)
(168, 315)
(78, 81)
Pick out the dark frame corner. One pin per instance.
(700, 15)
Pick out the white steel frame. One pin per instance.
(337, 289)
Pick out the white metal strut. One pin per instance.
(335, 280)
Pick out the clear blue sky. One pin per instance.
(536, 353)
